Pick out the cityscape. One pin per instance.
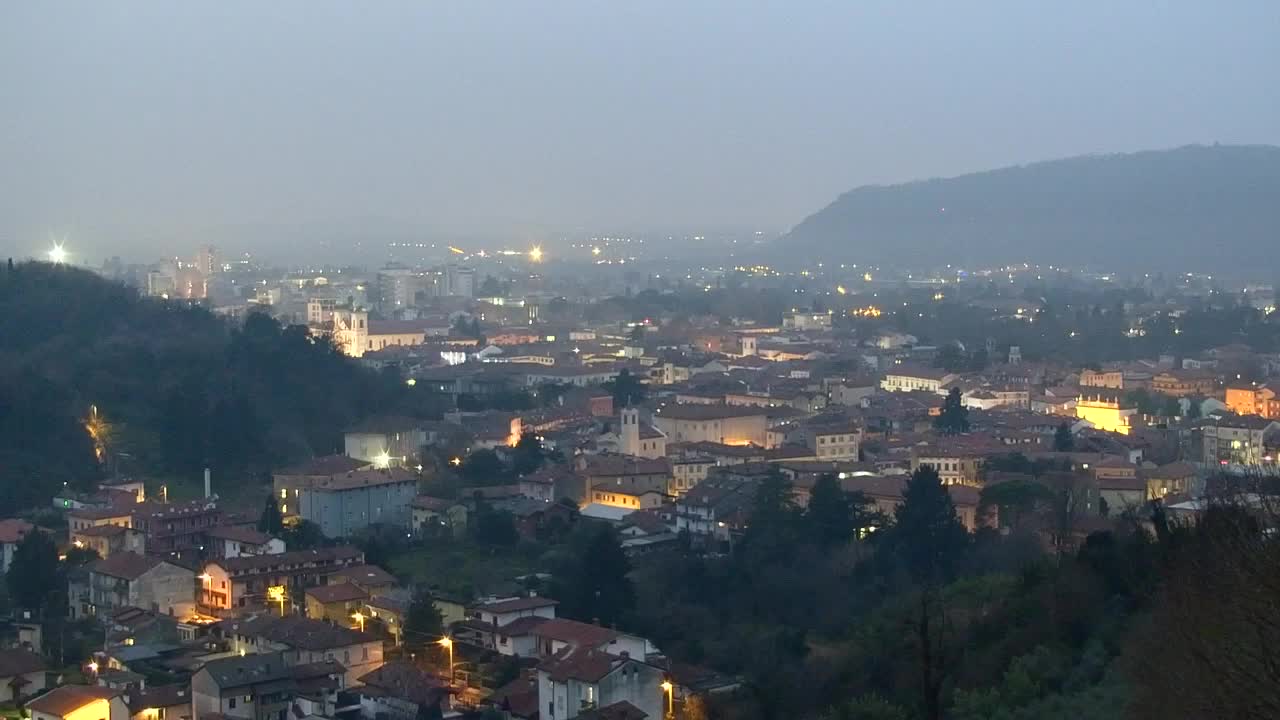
(997, 445)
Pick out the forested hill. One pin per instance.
(176, 388)
(1194, 208)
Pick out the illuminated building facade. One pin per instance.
(1105, 411)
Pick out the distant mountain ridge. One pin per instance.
(1196, 208)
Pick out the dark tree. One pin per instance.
(81, 556)
(955, 416)
(483, 468)
(494, 527)
(303, 535)
(594, 586)
(33, 573)
(1063, 440)
(927, 537)
(829, 516)
(627, 389)
(423, 623)
(270, 521)
(528, 454)
(950, 358)
(773, 530)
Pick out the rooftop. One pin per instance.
(341, 592)
(66, 699)
(367, 478)
(12, 530)
(516, 605)
(239, 533)
(125, 565)
(302, 633)
(326, 465)
(250, 563)
(16, 661)
(697, 412)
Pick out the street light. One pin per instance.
(446, 642)
(669, 689)
(93, 666)
(207, 581)
(276, 593)
(58, 254)
(535, 253)
(358, 617)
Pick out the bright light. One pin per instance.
(535, 254)
(667, 686)
(411, 382)
(205, 577)
(58, 254)
(445, 642)
(93, 666)
(840, 289)
(595, 250)
(382, 460)
(456, 461)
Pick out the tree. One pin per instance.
(829, 516)
(595, 586)
(483, 468)
(494, 527)
(927, 537)
(1063, 440)
(950, 358)
(1016, 499)
(1193, 408)
(627, 389)
(270, 521)
(773, 530)
(33, 573)
(303, 535)
(423, 623)
(528, 454)
(636, 336)
(81, 556)
(491, 287)
(1171, 407)
(955, 416)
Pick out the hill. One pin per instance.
(175, 388)
(1195, 208)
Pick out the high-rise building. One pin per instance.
(397, 286)
(207, 260)
(461, 281)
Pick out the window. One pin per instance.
(346, 657)
(284, 508)
(284, 493)
(231, 703)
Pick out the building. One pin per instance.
(909, 378)
(460, 281)
(343, 505)
(954, 463)
(1105, 411)
(288, 484)
(176, 527)
(238, 540)
(637, 439)
(386, 441)
(335, 603)
(399, 690)
(1238, 440)
(807, 321)
(580, 680)
(433, 516)
(264, 687)
(160, 702)
(1254, 400)
(79, 702)
(1177, 478)
(1184, 383)
(834, 440)
(22, 674)
(687, 471)
(725, 424)
(127, 579)
(243, 582)
(12, 531)
(623, 474)
(107, 540)
(714, 509)
(303, 641)
(1106, 379)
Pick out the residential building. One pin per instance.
(1238, 440)
(910, 378)
(263, 687)
(303, 641)
(400, 690)
(160, 702)
(1184, 383)
(436, 516)
(79, 702)
(12, 531)
(807, 321)
(106, 540)
(623, 474)
(243, 582)
(342, 505)
(1177, 478)
(335, 603)
(176, 527)
(231, 541)
(288, 484)
(386, 441)
(129, 579)
(583, 682)
(687, 471)
(22, 674)
(1254, 400)
(715, 508)
(725, 424)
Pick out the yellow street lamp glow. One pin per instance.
(276, 593)
(382, 460)
(411, 382)
(535, 253)
(456, 461)
(840, 289)
(58, 254)
(93, 667)
(595, 250)
(446, 642)
(669, 689)
(359, 618)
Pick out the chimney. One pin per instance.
(208, 490)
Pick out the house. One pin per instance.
(87, 517)
(22, 674)
(302, 641)
(625, 474)
(505, 625)
(370, 578)
(726, 424)
(335, 603)
(432, 516)
(231, 541)
(518, 698)
(535, 518)
(1105, 410)
(386, 441)
(175, 527)
(128, 579)
(1254, 400)
(587, 683)
(160, 702)
(287, 484)
(107, 540)
(715, 508)
(1117, 494)
(342, 505)
(243, 581)
(79, 702)
(908, 378)
(1238, 439)
(12, 531)
(1176, 478)
(399, 690)
(832, 439)
(133, 626)
(263, 687)
(687, 471)
(1184, 383)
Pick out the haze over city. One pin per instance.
(132, 128)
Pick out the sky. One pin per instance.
(142, 128)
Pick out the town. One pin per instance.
(505, 544)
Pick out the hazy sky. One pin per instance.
(136, 127)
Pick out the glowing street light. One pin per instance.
(382, 460)
(669, 689)
(595, 250)
(535, 253)
(207, 581)
(456, 461)
(58, 254)
(276, 593)
(93, 666)
(446, 642)
(359, 618)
